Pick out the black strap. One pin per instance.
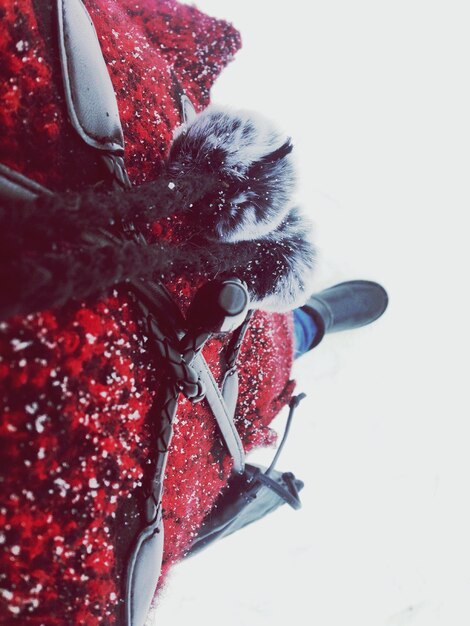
(144, 562)
(14, 186)
(233, 348)
(176, 350)
(89, 93)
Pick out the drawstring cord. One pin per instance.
(293, 404)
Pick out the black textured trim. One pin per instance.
(319, 323)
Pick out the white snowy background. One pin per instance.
(376, 97)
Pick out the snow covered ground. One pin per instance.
(375, 95)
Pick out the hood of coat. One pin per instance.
(77, 383)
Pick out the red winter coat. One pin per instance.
(77, 383)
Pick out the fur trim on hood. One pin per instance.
(252, 200)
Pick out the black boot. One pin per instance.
(345, 306)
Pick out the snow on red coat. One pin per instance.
(77, 383)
